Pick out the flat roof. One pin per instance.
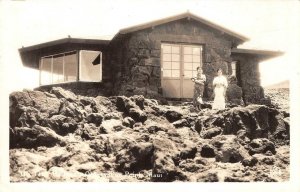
(257, 52)
(62, 41)
(264, 54)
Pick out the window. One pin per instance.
(58, 68)
(63, 67)
(233, 68)
(70, 70)
(90, 66)
(191, 60)
(46, 71)
(171, 60)
(176, 55)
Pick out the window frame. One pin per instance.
(80, 66)
(77, 66)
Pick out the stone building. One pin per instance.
(155, 59)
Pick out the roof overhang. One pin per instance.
(30, 55)
(260, 54)
(63, 41)
(187, 15)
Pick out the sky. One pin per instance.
(269, 24)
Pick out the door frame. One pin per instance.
(181, 64)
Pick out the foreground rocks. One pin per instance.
(60, 136)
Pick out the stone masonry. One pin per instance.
(136, 56)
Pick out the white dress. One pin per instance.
(220, 84)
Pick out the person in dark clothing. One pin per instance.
(199, 81)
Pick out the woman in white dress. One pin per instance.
(220, 84)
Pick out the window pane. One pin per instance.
(166, 48)
(70, 67)
(175, 73)
(188, 74)
(167, 73)
(175, 57)
(175, 65)
(188, 58)
(194, 73)
(57, 73)
(46, 74)
(233, 66)
(167, 65)
(175, 49)
(89, 70)
(196, 51)
(196, 58)
(167, 57)
(188, 66)
(187, 50)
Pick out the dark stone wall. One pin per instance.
(136, 56)
(250, 78)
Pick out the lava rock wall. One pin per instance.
(250, 80)
(135, 57)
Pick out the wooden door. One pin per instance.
(178, 65)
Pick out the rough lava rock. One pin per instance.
(59, 136)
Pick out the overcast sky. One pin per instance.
(272, 25)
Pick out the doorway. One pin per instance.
(179, 64)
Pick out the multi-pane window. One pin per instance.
(46, 71)
(171, 60)
(180, 59)
(58, 68)
(191, 59)
(61, 68)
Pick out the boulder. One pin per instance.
(173, 115)
(87, 101)
(112, 115)
(25, 137)
(99, 145)
(110, 126)
(211, 132)
(88, 131)
(71, 109)
(155, 127)
(250, 162)
(234, 92)
(20, 102)
(253, 121)
(137, 158)
(165, 170)
(62, 93)
(189, 165)
(103, 105)
(165, 151)
(261, 145)
(124, 104)
(61, 124)
(207, 151)
(137, 115)
(139, 100)
(181, 123)
(128, 122)
(25, 116)
(95, 118)
(208, 177)
(228, 149)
